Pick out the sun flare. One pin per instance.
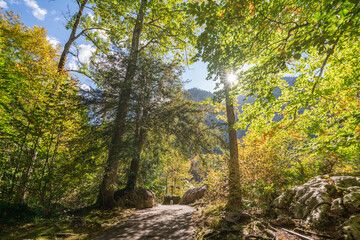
(231, 78)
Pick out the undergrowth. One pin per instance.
(71, 225)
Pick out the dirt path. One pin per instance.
(162, 222)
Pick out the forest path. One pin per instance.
(161, 222)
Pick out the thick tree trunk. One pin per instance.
(107, 189)
(235, 195)
(135, 162)
(72, 37)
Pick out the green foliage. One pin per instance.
(175, 127)
(41, 123)
(168, 31)
(316, 118)
(11, 213)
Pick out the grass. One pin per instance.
(79, 226)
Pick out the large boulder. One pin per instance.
(351, 228)
(193, 194)
(139, 198)
(323, 202)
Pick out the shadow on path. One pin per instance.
(161, 222)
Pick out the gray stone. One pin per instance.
(284, 200)
(352, 202)
(281, 212)
(300, 191)
(298, 210)
(345, 181)
(318, 197)
(353, 189)
(316, 182)
(337, 207)
(140, 198)
(283, 221)
(323, 202)
(306, 196)
(319, 217)
(351, 228)
(191, 195)
(236, 217)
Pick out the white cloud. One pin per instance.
(73, 65)
(102, 34)
(84, 87)
(91, 15)
(53, 41)
(3, 4)
(14, 2)
(85, 52)
(38, 12)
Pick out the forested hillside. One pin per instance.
(275, 145)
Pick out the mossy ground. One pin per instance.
(79, 226)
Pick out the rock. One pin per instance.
(317, 182)
(281, 212)
(284, 200)
(351, 228)
(352, 202)
(168, 199)
(193, 194)
(298, 210)
(318, 197)
(236, 217)
(300, 191)
(283, 221)
(140, 198)
(345, 181)
(353, 189)
(322, 203)
(319, 217)
(337, 207)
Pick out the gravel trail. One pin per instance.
(162, 222)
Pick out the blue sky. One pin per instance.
(52, 15)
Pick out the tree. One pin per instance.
(156, 24)
(73, 35)
(274, 38)
(39, 115)
(235, 192)
(156, 95)
(106, 196)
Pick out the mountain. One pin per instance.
(198, 95)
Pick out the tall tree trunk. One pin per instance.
(235, 195)
(107, 189)
(72, 37)
(135, 162)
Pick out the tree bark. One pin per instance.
(235, 196)
(107, 189)
(135, 162)
(72, 37)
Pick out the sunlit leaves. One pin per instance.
(39, 115)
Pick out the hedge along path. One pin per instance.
(161, 222)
